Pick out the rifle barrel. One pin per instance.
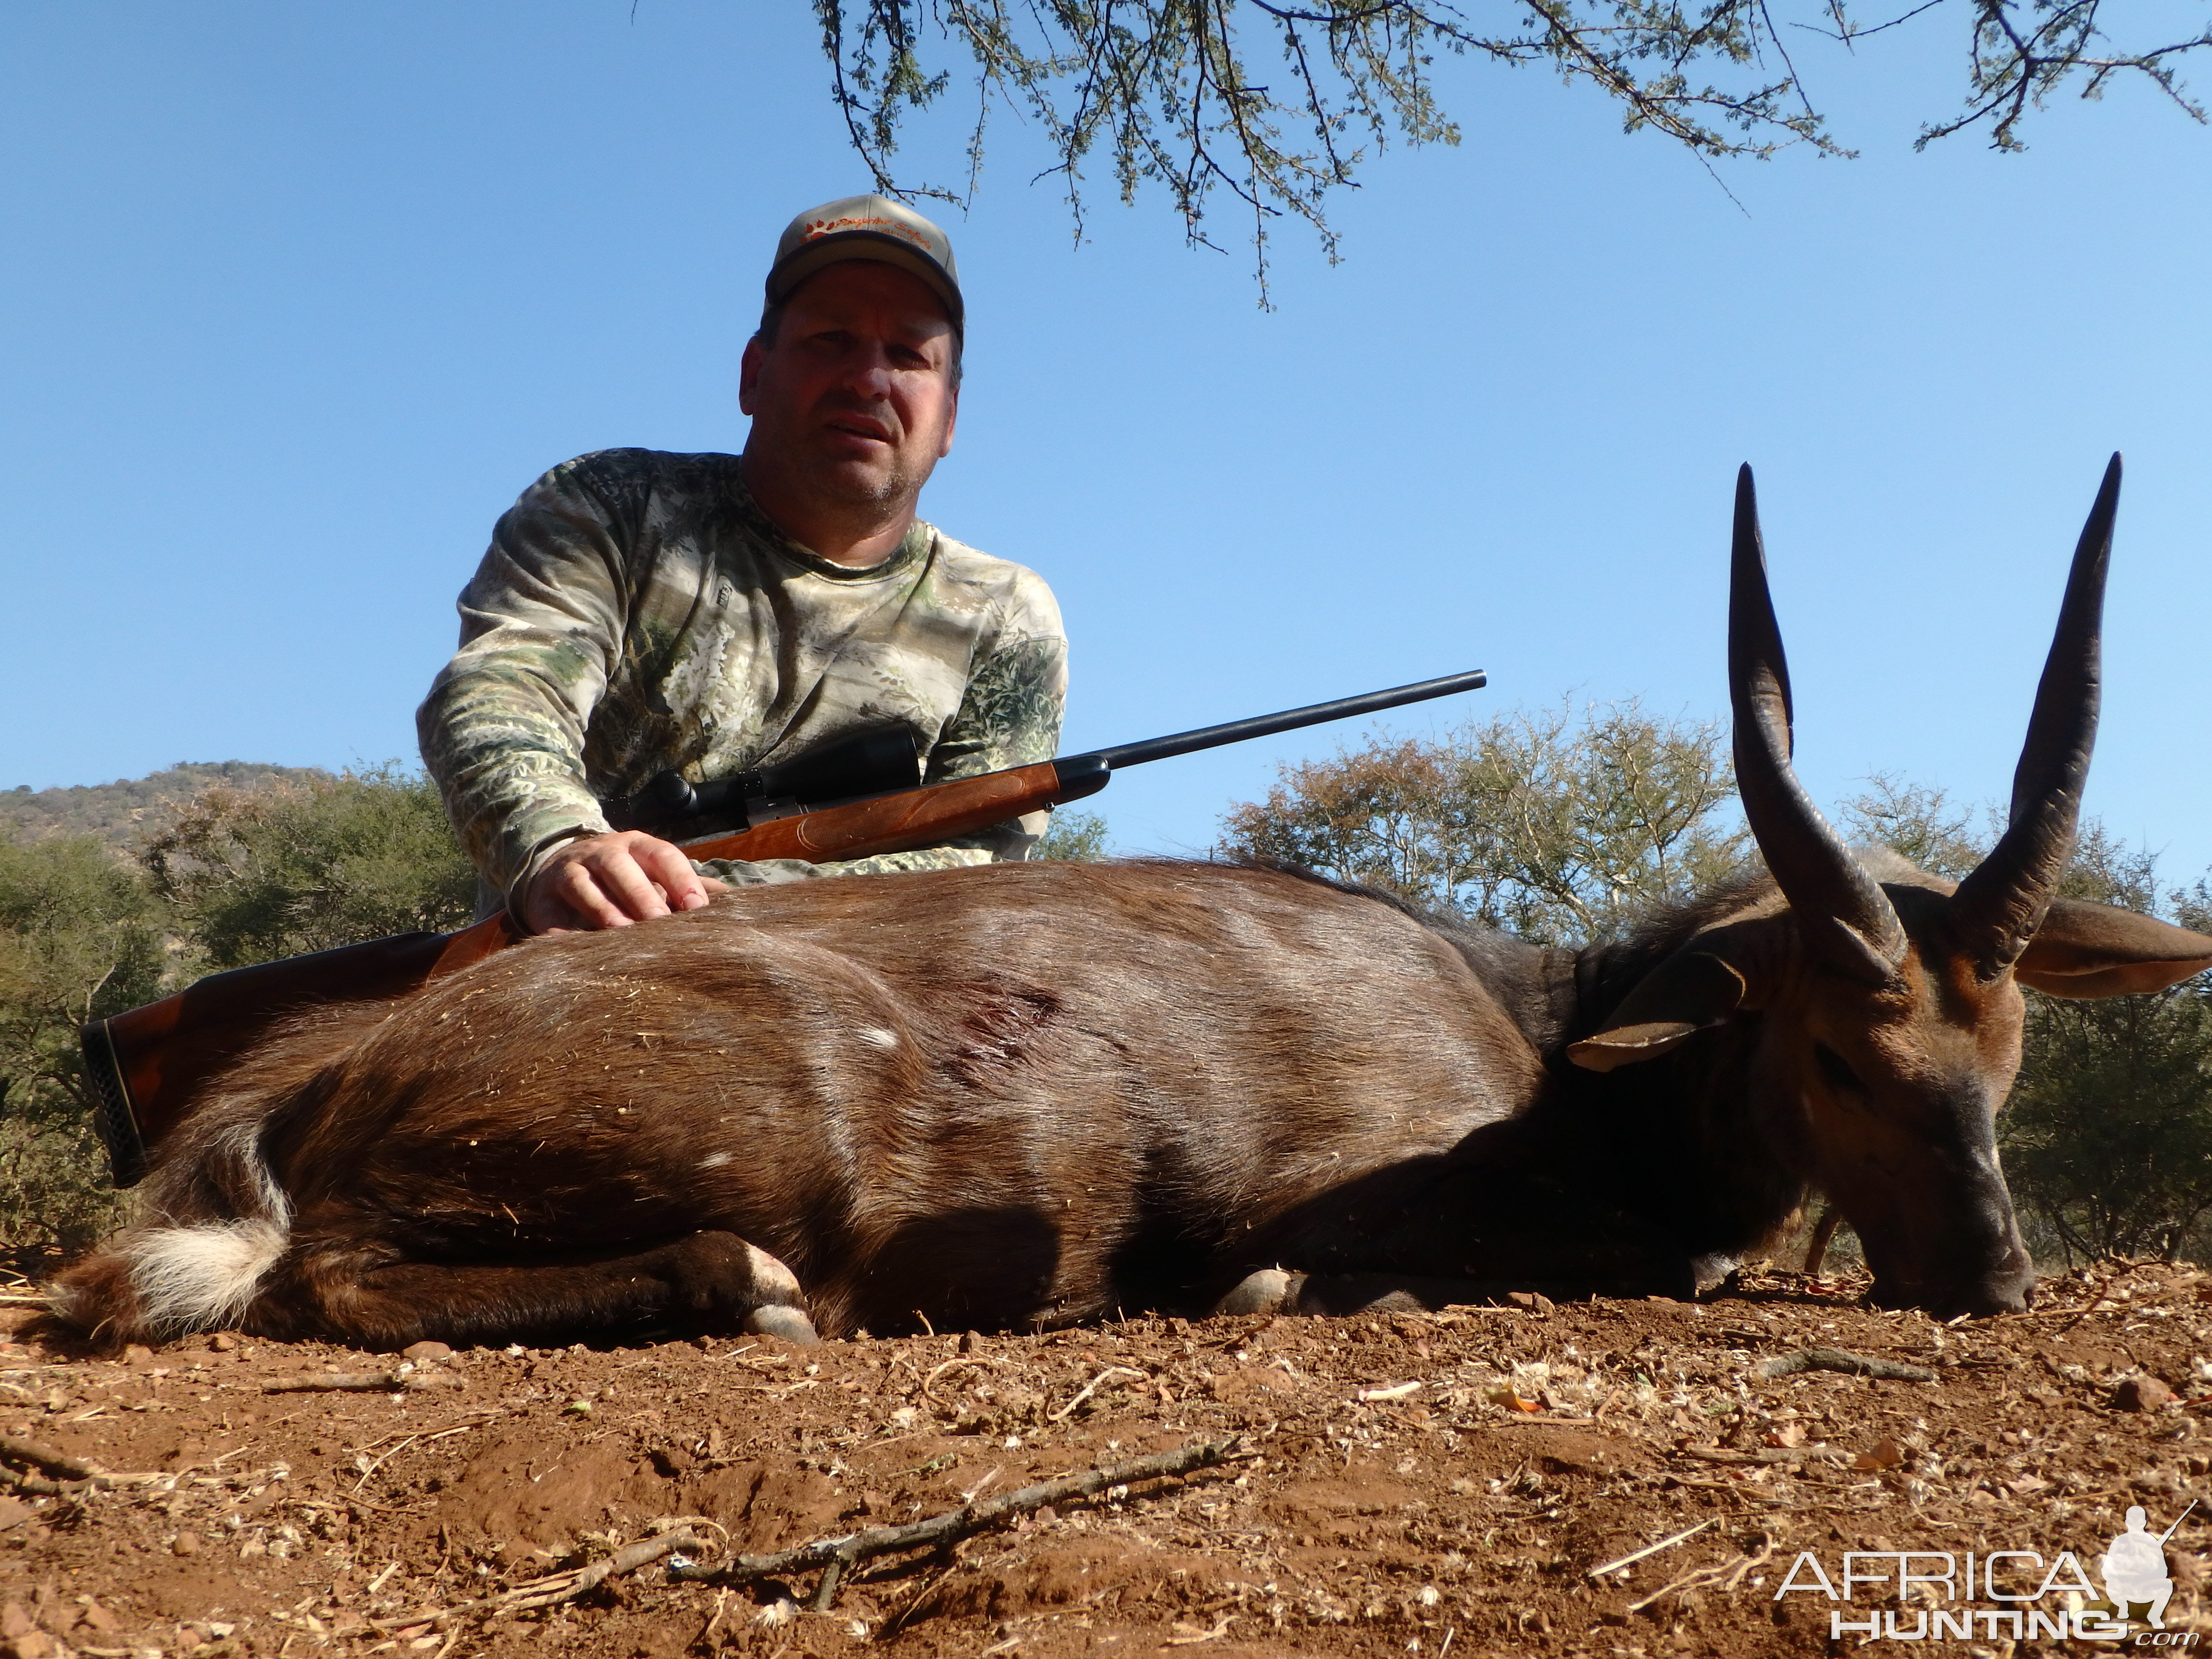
(2167, 1537)
(1263, 726)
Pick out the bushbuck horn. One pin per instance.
(1998, 907)
(1840, 909)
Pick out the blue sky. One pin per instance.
(294, 300)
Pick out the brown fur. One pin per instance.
(1029, 1094)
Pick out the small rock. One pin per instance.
(420, 1352)
(188, 1543)
(34, 1644)
(14, 1622)
(137, 1354)
(1535, 1301)
(95, 1617)
(223, 1342)
(2140, 1394)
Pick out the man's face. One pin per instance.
(854, 404)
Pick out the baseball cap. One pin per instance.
(866, 228)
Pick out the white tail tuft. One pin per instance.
(201, 1278)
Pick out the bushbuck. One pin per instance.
(1028, 1095)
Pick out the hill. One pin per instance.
(123, 813)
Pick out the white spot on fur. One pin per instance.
(880, 1037)
(713, 1160)
(199, 1279)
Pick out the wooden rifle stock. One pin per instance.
(911, 818)
(148, 1066)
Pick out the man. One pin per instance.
(639, 613)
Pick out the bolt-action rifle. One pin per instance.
(147, 1065)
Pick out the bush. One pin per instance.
(1558, 827)
(2108, 1139)
(80, 937)
(257, 873)
(1073, 837)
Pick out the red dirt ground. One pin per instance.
(1461, 1514)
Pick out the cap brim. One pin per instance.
(828, 251)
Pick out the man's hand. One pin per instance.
(611, 881)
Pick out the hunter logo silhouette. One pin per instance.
(2135, 1570)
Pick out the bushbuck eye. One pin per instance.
(1836, 1069)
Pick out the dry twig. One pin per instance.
(73, 1476)
(37, 1485)
(1652, 1549)
(1091, 1387)
(836, 1556)
(973, 1362)
(1726, 1575)
(555, 1588)
(1821, 1452)
(405, 1378)
(1851, 1365)
(52, 1459)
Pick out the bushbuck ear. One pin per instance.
(1691, 991)
(2085, 950)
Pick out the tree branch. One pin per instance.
(837, 1556)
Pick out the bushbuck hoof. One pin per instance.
(785, 1324)
(726, 1281)
(1270, 1290)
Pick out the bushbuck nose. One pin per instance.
(1996, 1277)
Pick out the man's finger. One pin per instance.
(547, 909)
(620, 879)
(668, 865)
(582, 890)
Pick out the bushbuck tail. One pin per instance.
(1028, 1095)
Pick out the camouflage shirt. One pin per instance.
(638, 613)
